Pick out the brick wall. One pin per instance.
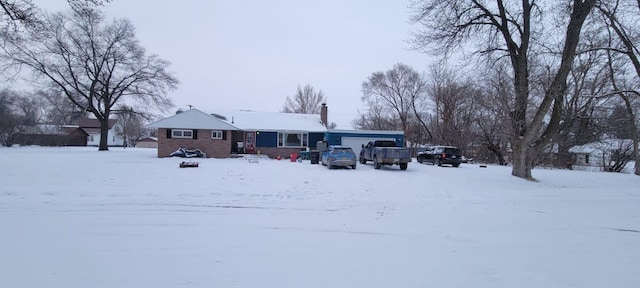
(214, 148)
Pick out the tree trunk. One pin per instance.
(422, 124)
(104, 135)
(637, 164)
(521, 161)
(634, 130)
(495, 149)
(530, 140)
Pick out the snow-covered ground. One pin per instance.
(76, 217)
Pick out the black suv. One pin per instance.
(438, 155)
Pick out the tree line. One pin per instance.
(84, 63)
(31, 114)
(535, 77)
(538, 78)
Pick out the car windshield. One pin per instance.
(342, 150)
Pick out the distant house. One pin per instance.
(52, 135)
(598, 156)
(92, 128)
(147, 142)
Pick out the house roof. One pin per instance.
(271, 121)
(94, 123)
(600, 146)
(91, 130)
(192, 119)
(49, 129)
(148, 139)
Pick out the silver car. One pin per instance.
(339, 156)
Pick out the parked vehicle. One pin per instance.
(184, 153)
(439, 155)
(385, 152)
(339, 156)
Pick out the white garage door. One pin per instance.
(356, 142)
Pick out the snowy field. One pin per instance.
(76, 217)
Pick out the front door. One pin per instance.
(250, 142)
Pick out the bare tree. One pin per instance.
(10, 121)
(130, 125)
(96, 65)
(18, 14)
(32, 108)
(397, 89)
(584, 108)
(305, 101)
(61, 110)
(617, 122)
(511, 30)
(453, 102)
(620, 155)
(491, 117)
(377, 116)
(622, 26)
(629, 122)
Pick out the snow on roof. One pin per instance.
(271, 121)
(602, 145)
(91, 130)
(148, 139)
(192, 119)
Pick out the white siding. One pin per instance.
(112, 139)
(356, 142)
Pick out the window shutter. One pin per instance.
(195, 133)
(168, 133)
(224, 135)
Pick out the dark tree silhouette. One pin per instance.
(95, 64)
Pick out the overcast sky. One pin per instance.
(252, 54)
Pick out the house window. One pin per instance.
(91, 138)
(216, 134)
(586, 159)
(292, 139)
(182, 133)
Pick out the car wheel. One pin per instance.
(437, 162)
(353, 167)
(403, 166)
(456, 165)
(376, 165)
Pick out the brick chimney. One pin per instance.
(323, 115)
